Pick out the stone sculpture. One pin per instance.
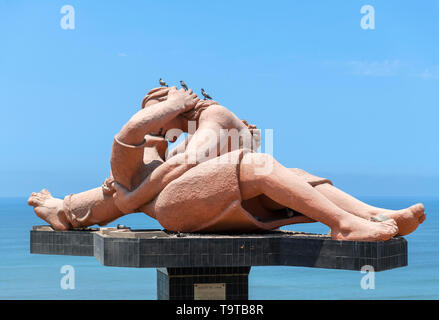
(189, 192)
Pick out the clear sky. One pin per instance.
(357, 106)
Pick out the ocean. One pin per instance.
(31, 276)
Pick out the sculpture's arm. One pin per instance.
(202, 140)
(150, 120)
(159, 143)
(153, 118)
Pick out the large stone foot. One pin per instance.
(49, 209)
(408, 219)
(364, 230)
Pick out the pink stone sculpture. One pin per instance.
(206, 185)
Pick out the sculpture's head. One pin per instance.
(160, 94)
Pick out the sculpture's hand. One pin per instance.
(159, 94)
(107, 186)
(122, 198)
(256, 134)
(186, 99)
(157, 142)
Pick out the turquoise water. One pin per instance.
(26, 276)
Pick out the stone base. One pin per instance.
(162, 249)
(215, 266)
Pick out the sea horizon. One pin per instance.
(25, 276)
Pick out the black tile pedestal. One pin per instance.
(215, 266)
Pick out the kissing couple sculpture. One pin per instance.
(185, 191)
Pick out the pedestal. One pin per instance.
(215, 266)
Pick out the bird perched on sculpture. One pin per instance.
(183, 85)
(162, 83)
(205, 95)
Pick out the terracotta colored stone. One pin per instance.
(225, 192)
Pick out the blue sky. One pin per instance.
(357, 106)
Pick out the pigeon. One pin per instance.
(205, 95)
(162, 83)
(183, 85)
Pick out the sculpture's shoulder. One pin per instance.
(223, 116)
(215, 110)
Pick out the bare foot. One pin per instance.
(49, 209)
(407, 219)
(363, 230)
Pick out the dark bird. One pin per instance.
(205, 95)
(183, 85)
(162, 83)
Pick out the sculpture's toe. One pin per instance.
(34, 200)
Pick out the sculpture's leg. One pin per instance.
(90, 207)
(407, 219)
(76, 210)
(96, 207)
(288, 189)
(93, 206)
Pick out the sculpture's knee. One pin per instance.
(262, 164)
